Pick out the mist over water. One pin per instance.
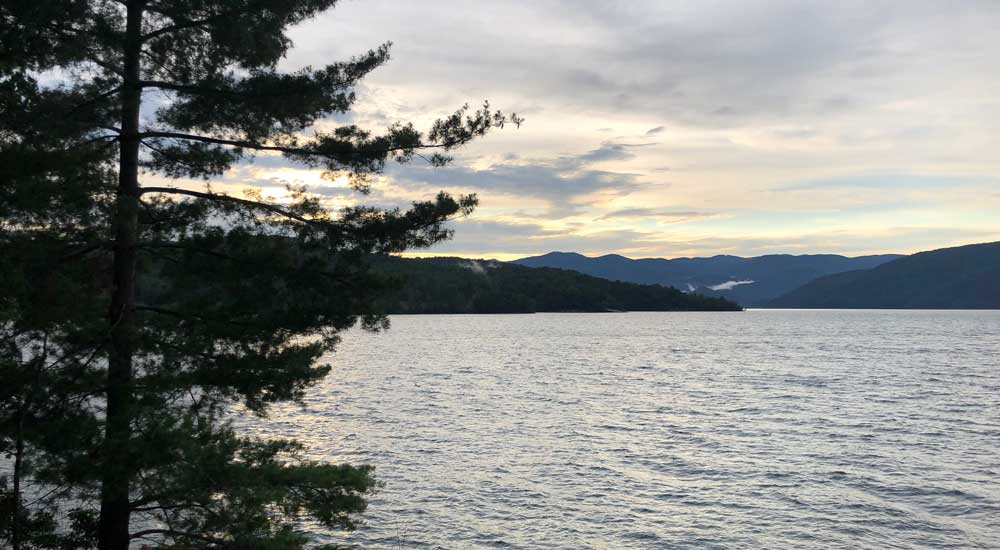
(762, 429)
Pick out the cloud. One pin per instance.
(889, 181)
(705, 63)
(502, 239)
(509, 240)
(606, 152)
(656, 213)
(815, 126)
(563, 182)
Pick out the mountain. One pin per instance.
(456, 285)
(748, 281)
(964, 277)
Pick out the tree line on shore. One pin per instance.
(456, 285)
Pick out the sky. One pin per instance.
(668, 129)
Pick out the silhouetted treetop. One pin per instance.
(137, 314)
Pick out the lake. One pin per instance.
(761, 429)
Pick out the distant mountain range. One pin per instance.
(964, 277)
(456, 285)
(751, 282)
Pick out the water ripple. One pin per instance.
(763, 429)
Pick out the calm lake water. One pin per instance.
(762, 429)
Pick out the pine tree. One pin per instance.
(138, 319)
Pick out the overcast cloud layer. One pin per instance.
(688, 128)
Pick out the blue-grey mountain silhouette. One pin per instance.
(963, 277)
(748, 281)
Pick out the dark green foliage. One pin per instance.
(963, 277)
(455, 285)
(136, 321)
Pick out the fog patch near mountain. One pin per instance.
(729, 285)
(480, 267)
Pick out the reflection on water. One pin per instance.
(762, 429)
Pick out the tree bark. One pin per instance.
(113, 528)
(15, 537)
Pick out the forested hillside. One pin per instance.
(455, 285)
(963, 277)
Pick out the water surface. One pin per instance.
(761, 429)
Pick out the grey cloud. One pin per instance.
(654, 131)
(376, 196)
(474, 228)
(589, 79)
(493, 237)
(562, 191)
(607, 151)
(500, 238)
(269, 161)
(888, 181)
(843, 242)
(562, 182)
(657, 213)
(699, 63)
(800, 89)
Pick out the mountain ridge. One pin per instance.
(960, 277)
(751, 281)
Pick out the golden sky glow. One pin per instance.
(685, 128)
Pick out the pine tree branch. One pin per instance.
(175, 506)
(342, 278)
(70, 33)
(296, 150)
(231, 142)
(102, 64)
(183, 315)
(177, 534)
(195, 89)
(84, 250)
(48, 494)
(178, 27)
(159, 65)
(111, 139)
(175, 246)
(193, 167)
(226, 198)
(183, 24)
(95, 99)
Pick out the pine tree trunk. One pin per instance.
(15, 537)
(113, 529)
